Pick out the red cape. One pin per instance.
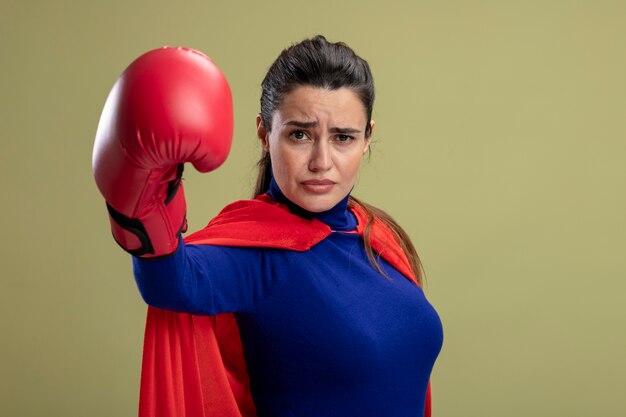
(193, 366)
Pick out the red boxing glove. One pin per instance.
(170, 106)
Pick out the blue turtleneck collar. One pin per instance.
(338, 218)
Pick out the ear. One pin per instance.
(261, 133)
(368, 139)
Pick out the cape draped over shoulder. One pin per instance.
(193, 366)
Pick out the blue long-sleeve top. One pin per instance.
(323, 333)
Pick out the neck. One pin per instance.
(339, 218)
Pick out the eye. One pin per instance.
(344, 138)
(298, 135)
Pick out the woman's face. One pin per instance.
(316, 143)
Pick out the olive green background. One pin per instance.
(500, 147)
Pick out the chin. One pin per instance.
(316, 205)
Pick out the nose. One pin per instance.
(321, 157)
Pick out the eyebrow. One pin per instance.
(308, 125)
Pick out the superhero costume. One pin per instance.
(194, 365)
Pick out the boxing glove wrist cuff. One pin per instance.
(155, 232)
(132, 226)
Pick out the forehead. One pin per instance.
(308, 104)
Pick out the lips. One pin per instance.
(318, 186)
(318, 182)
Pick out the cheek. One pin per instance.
(286, 163)
(353, 163)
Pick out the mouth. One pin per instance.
(318, 186)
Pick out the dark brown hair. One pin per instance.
(318, 63)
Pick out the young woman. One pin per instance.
(329, 313)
